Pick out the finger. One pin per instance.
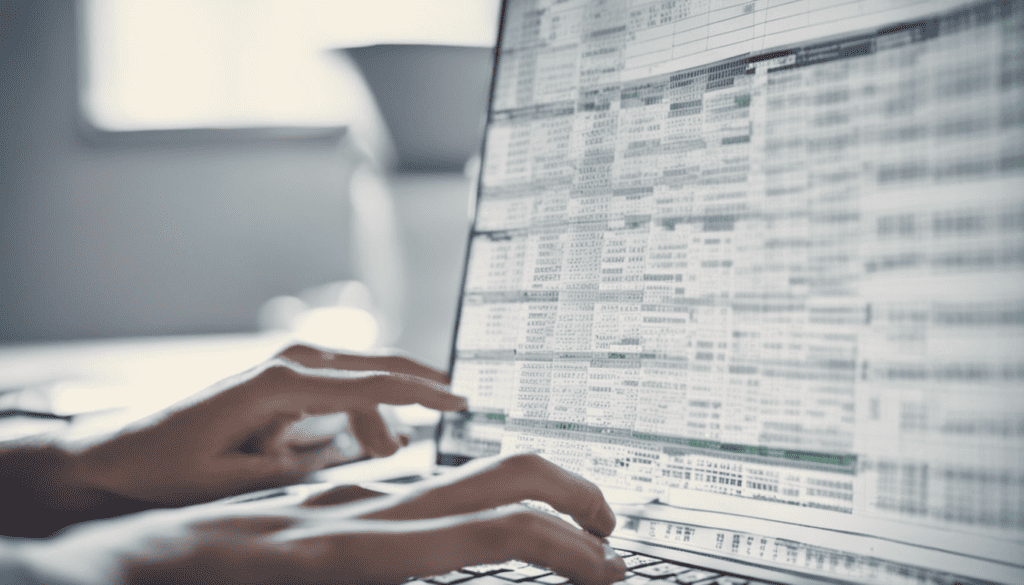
(498, 482)
(279, 465)
(288, 387)
(317, 457)
(316, 357)
(437, 546)
(251, 525)
(234, 474)
(303, 442)
(342, 494)
(315, 430)
(373, 434)
(267, 439)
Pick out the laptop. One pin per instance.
(757, 270)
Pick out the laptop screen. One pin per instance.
(758, 258)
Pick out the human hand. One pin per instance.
(233, 437)
(345, 534)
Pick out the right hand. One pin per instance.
(234, 436)
(350, 534)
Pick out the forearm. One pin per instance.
(41, 495)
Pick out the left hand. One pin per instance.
(345, 534)
(231, 438)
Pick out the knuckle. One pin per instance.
(297, 349)
(533, 522)
(498, 536)
(516, 534)
(525, 463)
(310, 353)
(528, 522)
(377, 382)
(394, 361)
(392, 353)
(399, 363)
(539, 541)
(277, 370)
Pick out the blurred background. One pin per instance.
(302, 168)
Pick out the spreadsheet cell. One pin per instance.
(794, 8)
(838, 10)
(654, 45)
(731, 21)
(739, 39)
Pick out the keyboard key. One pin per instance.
(485, 569)
(694, 575)
(724, 580)
(486, 580)
(639, 560)
(624, 553)
(450, 578)
(660, 570)
(552, 580)
(533, 571)
(515, 576)
(514, 565)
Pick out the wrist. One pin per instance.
(44, 495)
(30, 474)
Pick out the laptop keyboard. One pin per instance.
(641, 570)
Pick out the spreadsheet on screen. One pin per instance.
(767, 256)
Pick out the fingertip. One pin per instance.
(388, 448)
(615, 567)
(600, 521)
(606, 520)
(403, 440)
(380, 446)
(452, 403)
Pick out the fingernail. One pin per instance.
(609, 552)
(616, 567)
